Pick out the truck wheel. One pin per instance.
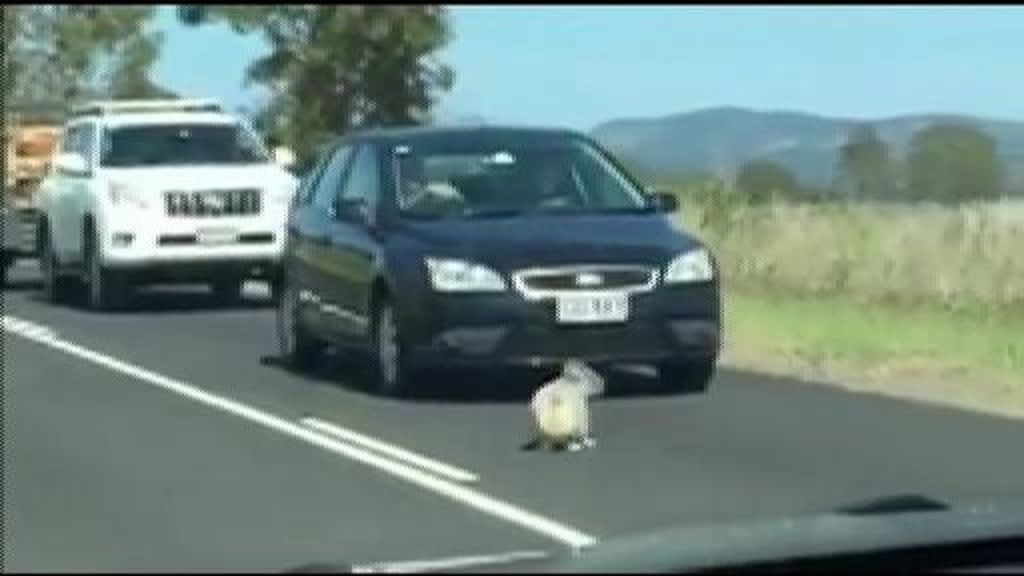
(56, 287)
(107, 288)
(686, 376)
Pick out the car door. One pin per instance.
(353, 247)
(309, 234)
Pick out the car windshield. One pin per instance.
(489, 180)
(179, 144)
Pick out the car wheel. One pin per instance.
(107, 289)
(56, 288)
(301, 349)
(228, 290)
(686, 376)
(392, 371)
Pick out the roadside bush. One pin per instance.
(965, 256)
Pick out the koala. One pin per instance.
(561, 411)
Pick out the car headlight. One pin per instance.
(460, 276)
(692, 266)
(122, 194)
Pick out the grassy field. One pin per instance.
(968, 359)
(966, 257)
(921, 300)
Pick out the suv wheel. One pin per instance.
(392, 370)
(301, 349)
(686, 376)
(107, 288)
(55, 287)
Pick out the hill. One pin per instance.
(720, 139)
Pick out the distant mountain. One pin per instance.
(718, 140)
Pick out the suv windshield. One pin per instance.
(177, 144)
(571, 176)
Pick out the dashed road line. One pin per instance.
(458, 493)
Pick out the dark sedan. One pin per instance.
(492, 246)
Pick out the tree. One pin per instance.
(69, 53)
(334, 68)
(953, 163)
(761, 180)
(864, 166)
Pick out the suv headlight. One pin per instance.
(447, 275)
(122, 194)
(690, 267)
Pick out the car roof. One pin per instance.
(423, 134)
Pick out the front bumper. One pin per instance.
(674, 323)
(171, 250)
(200, 270)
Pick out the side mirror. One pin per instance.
(72, 163)
(284, 157)
(665, 201)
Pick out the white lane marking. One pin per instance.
(444, 564)
(456, 492)
(394, 452)
(28, 328)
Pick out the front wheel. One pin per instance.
(56, 288)
(301, 349)
(392, 371)
(108, 289)
(686, 376)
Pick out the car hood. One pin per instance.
(546, 240)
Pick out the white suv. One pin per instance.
(161, 191)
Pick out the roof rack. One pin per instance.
(101, 108)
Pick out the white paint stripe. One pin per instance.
(392, 451)
(443, 564)
(456, 492)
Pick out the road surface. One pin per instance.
(170, 438)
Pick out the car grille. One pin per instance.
(213, 203)
(541, 282)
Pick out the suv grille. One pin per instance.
(212, 203)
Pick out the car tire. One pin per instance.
(392, 372)
(107, 289)
(228, 290)
(297, 347)
(686, 376)
(56, 288)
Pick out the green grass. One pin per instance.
(826, 330)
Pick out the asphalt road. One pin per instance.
(170, 438)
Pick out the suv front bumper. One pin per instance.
(177, 254)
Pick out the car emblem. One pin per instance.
(588, 280)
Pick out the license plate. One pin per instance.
(217, 236)
(592, 308)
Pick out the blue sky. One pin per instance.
(576, 66)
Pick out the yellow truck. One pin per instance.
(30, 143)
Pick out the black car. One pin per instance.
(492, 246)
